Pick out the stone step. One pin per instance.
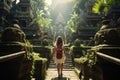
(68, 74)
(68, 71)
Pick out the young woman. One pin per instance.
(59, 54)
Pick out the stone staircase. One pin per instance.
(66, 65)
(68, 71)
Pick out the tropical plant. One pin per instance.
(41, 15)
(103, 5)
(72, 23)
(38, 7)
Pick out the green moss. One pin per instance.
(44, 51)
(40, 66)
(37, 57)
(77, 42)
(80, 60)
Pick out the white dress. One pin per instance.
(59, 61)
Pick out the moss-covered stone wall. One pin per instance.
(18, 68)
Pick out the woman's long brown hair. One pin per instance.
(59, 41)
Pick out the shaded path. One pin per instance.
(68, 71)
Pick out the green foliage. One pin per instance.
(43, 51)
(40, 13)
(77, 6)
(90, 58)
(76, 19)
(77, 42)
(41, 17)
(104, 5)
(37, 57)
(81, 60)
(72, 23)
(113, 2)
(99, 6)
(37, 6)
(45, 42)
(39, 66)
(44, 22)
(28, 43)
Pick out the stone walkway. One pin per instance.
(68, 71)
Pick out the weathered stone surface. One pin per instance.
(107, 36)
(13, 34)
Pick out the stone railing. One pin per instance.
(100, 63)
(15, 55)
(11, 56)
